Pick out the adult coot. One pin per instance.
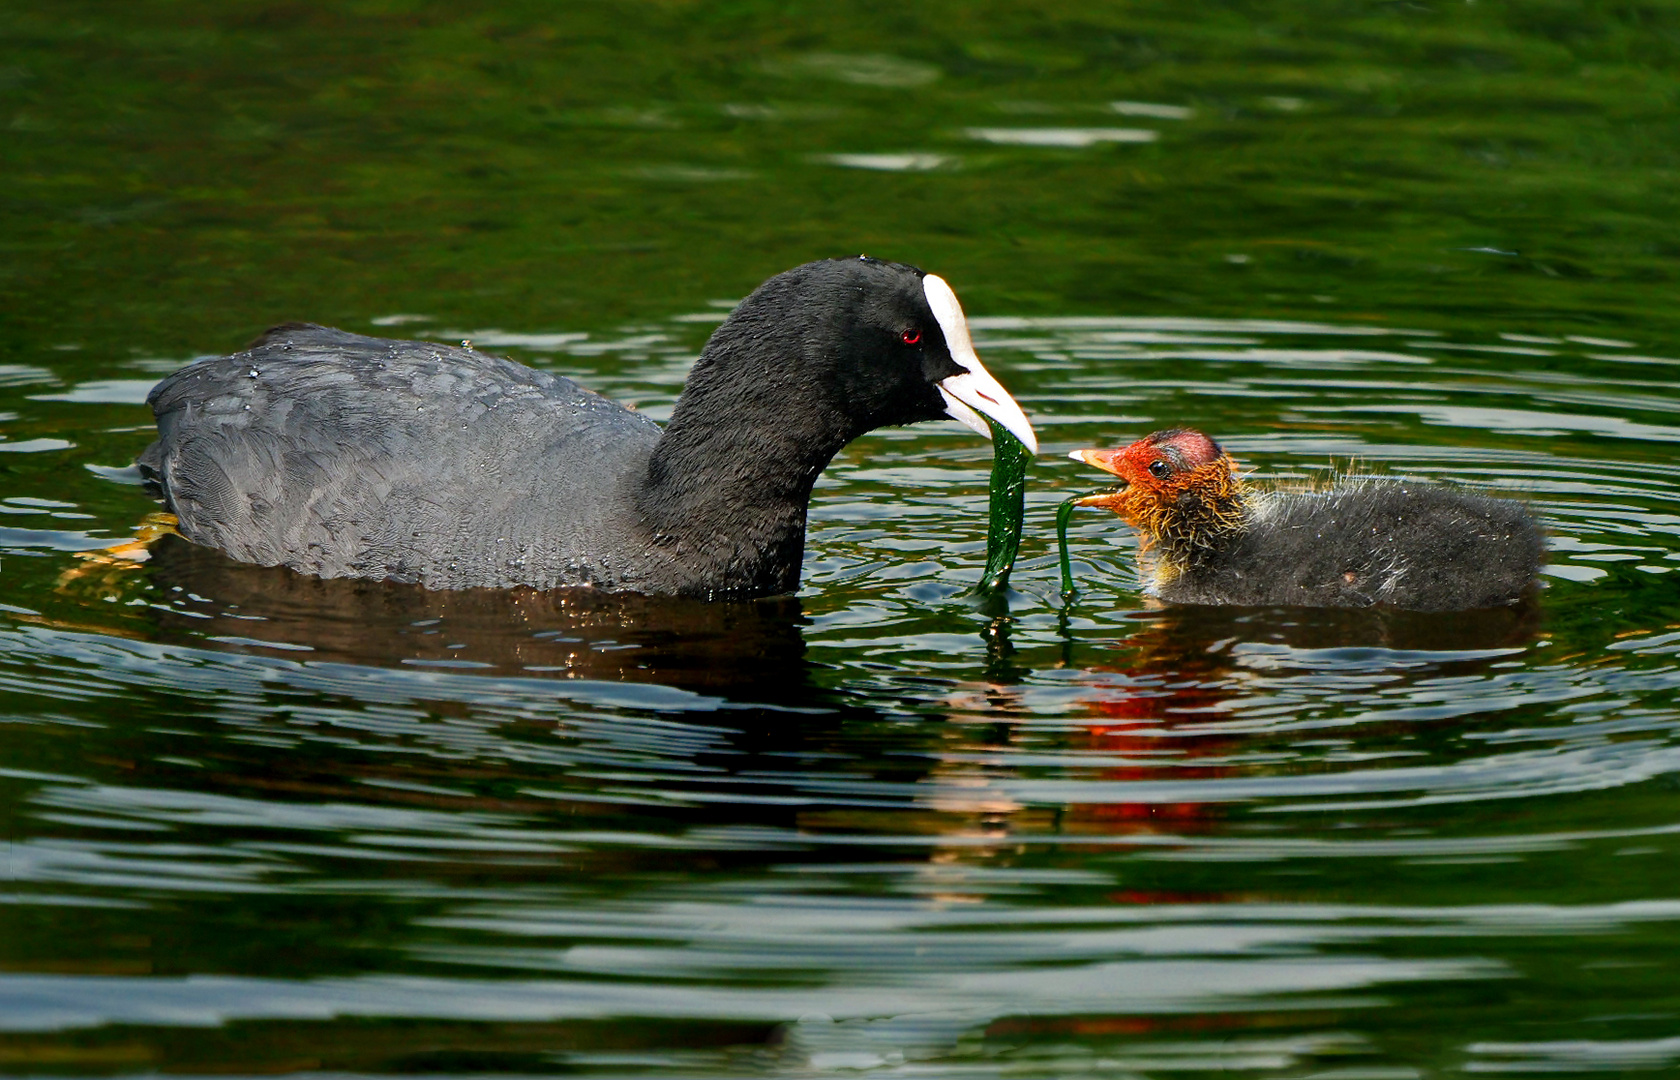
(1208, 540)
(348, 456)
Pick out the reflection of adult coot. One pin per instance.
(347, 456)
(763, 714)
(751, 648)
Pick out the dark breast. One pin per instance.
(341, 455)
(1378, 542)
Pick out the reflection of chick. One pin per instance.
(1208, 540)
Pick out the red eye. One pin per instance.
(911, 336)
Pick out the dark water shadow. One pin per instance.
(1179, 634)
(1191, 671)
(493, 694)
(1199, 639)
(754, 649)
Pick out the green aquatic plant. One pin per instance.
(1063, 512)
(1008, 501)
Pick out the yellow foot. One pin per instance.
(136, 549)
(105, 564)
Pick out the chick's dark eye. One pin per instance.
(911, 336)
(1159, 469)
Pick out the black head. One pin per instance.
(812, 359)
(844, 346)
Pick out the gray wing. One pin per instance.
(343, 455)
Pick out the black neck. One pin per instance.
(729, 482)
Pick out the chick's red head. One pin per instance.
(1155, 460)
(1157, 471)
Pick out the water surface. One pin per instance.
(256, 822)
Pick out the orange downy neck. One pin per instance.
(1183, 518)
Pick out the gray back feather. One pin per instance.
(341, 455)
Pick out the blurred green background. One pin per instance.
(180, 175)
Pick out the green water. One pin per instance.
(257, 823)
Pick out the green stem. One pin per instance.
(1063, 512)
(1009, 491)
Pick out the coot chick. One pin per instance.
(348, 456)
(1207, 539)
